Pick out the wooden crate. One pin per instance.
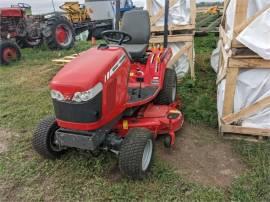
(230, 67)
(232, 61)
(177, 34)
(241, 22)
(172, 27)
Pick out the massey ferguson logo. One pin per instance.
(67, 97)
(115, 67)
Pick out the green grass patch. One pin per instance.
(199, 95)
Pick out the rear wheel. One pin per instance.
(9, 52)
(168, 93)
(59, 33)
(44, 139)
(136, 153)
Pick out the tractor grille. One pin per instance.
(84, 112)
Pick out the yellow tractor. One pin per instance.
(76, 13)
(213, 10)
(79, 16)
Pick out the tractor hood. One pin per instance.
(86, 70)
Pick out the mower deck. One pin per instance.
(160, 119)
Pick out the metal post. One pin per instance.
(53, 6)
(166, 19)
(117, 14)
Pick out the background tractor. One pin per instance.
(30, 31)
(11, 24)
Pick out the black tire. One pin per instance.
(167, 95)
(131, 156)
(49, 33)
(43, 139)
(4, 45)
(24, 42)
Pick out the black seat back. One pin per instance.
(137, 24)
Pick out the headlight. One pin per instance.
(87, 95)
(57, 95)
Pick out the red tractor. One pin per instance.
(116, 97)
(30, 31)
(9, 28)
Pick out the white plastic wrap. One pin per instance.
(253, 7)
(256, 36)
(139, 3)
(249, 90)
(215, 57)
(182, 65)
(179, 13)
(256, 5)
(252, 86)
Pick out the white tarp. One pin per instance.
(252, 86)
(179, 13)
(249, 90)
(253, 7)
(257, 35)
(182, 65)
(139, 3)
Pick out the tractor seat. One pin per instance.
(137, 24)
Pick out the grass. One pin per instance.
(24, 176)
(199, 96)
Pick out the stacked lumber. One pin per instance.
(182, 15)
(251, 120)
(64, 60)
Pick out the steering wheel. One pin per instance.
(116, 36)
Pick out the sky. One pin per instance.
(45, 6)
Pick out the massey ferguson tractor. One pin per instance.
(114, 97)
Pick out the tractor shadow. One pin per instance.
(201, 156)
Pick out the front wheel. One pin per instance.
(9, 52)
(136, 153)
(44, 139)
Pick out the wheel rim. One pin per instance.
(63, 35)
(9, 54)
(53, 145)
(147, 154)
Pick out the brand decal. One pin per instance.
(115, 67)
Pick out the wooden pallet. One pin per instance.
(250, 137)
(232, 60)
(64, 60)
(172, 27)
(241, 22)
(177, 33)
